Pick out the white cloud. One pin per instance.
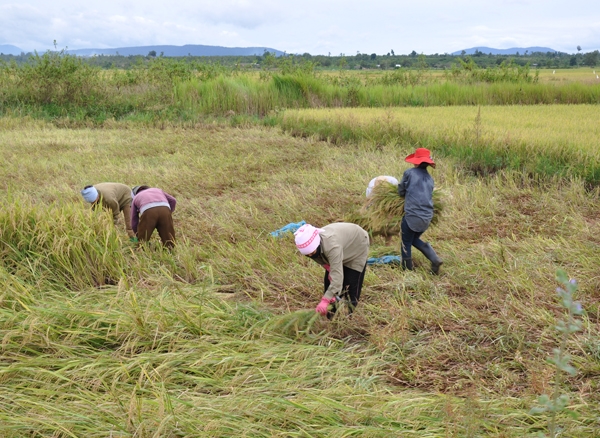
(117, 19)
(314, 26)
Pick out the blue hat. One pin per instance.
(90, 194)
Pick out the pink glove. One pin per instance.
(322, 307)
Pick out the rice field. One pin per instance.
(584, 75)
(541, 126)
(538, 139)
(218, 338)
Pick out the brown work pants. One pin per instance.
(161, 219)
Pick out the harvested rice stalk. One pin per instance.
(294, 324)
(381, 213)
(362, 219)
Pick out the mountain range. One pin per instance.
(201, 50)
(511, 51)
(187, 50)
(7, 49)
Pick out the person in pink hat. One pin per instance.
(416, 187)
(342, 249)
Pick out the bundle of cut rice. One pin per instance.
(381, 213)
(361, 218)
(294, 324)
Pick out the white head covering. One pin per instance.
(307, 239)
(377, 180)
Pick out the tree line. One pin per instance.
(388, 61)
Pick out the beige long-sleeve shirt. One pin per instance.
(342, 244)
(117, 198)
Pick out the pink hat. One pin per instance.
(421, 155)
(307, 239)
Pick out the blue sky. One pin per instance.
(313, 26)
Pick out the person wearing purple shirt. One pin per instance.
(153, 209)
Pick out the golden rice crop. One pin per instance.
(550, 140)
(573, 127)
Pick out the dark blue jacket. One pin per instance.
(416, 187)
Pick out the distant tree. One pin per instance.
(152, 53)
(573, 61)
(413, 54)
(373, 56)
(591, 58)
(463, 53)
(268, 59)
(578, 48)
(392, 52)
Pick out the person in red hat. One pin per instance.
(416, 187)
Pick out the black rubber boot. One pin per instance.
(407, 264)
(436, 262)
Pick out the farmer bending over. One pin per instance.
(416, 187)
(342, 249)
(152, 209)
(115, 197)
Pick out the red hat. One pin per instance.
(421, 155)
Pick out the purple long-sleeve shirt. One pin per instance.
(145, 199)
